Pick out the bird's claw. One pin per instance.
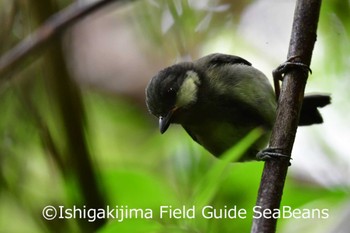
(289, 65)
(272, 153)
(278, 73)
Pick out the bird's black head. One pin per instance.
(173, 89)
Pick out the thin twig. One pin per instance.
(301, 45)
(53, 26)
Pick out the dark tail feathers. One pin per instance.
(309, 113)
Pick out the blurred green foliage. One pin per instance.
(65, 144)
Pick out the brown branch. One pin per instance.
(301, 45)
(77, 163)
(52, 27)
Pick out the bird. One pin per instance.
(218, 99)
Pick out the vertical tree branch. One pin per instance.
(79, 167)
(301, 45)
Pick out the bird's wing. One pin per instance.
(240, 84)
(218, 59)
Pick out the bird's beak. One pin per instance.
(164, 121)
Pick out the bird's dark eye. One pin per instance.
(170, 93)
(168, 99)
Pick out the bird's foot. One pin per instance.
(281, 70)
(272, 153)
(289, 65)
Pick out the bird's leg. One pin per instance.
(272, 153)
(278, 73)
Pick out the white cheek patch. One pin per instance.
(187, 93)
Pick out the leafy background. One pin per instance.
(74, 129)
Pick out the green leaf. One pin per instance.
(209, 185)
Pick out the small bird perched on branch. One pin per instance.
(218, 99)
